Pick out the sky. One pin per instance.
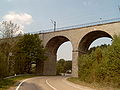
(35, 15)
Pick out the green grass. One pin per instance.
(7, 83)
(96, 86)
(79, 82)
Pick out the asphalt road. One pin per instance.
(49, 83)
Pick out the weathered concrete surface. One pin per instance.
(81, 38)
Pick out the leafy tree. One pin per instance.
(60, 66)
(5, 58)
(8, 30)
(3, 66)
(29, 49)
(63, 66)
(68, 65)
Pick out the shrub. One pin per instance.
(102, 65)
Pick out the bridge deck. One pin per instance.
(97, 23)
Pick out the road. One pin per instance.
(49, 83)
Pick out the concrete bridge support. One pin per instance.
(75, 64)
(50, 65)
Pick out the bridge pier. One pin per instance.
(75, 63)
(50, 65)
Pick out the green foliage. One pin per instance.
(102, 65)
(68, 65)
(60, 66)
(29, 49)
(18, 54)
(4, 59)
(3, 66)
(8, 30)
(5, 84)
(63, 66)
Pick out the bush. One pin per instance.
(3, 66)
(102, 65)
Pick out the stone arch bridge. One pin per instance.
(80, 37)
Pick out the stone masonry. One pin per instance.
(81, 38)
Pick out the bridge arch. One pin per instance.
(52, 46)
(89, 38)
(54, 43)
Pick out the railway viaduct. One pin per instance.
(80, 37)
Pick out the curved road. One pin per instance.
(49, 83)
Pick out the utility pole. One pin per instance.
(54, 24)
(100, 21)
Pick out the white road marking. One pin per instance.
(50, 85)
(23, 82)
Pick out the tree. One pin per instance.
(60, 66)
(102, 65)
(9, 29)
(3, 66)
(68, 66)
(63, 66)
(29, 49)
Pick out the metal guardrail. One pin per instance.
(16, 76)
(80, 25)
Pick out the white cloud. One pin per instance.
(20, 18)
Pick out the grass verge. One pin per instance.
(7, 83)
(96, 86)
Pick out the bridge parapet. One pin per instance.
(91, 24)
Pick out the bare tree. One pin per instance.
(9, 29)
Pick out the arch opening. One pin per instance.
(65, 51)
(101, 41)
(89, 38)
(52, 48)
(54, 43)
(64, 58)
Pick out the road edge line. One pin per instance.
(50, 85)
(22, 83)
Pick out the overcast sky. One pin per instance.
(35, 15)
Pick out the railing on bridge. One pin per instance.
(81, 25)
